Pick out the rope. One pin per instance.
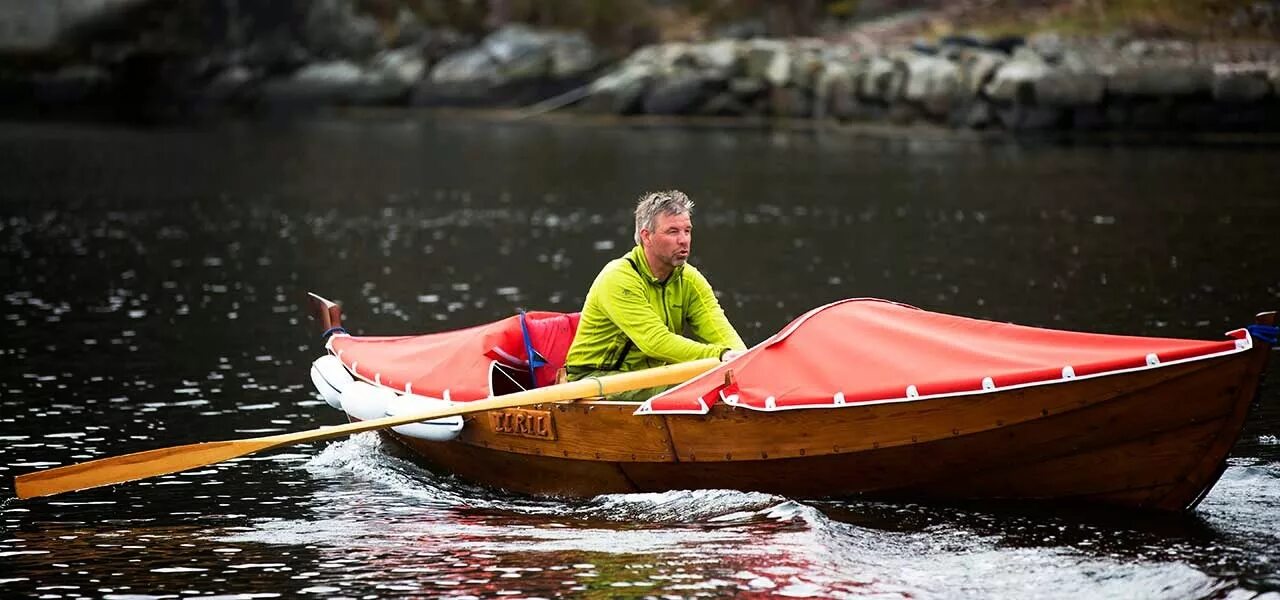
(332, 330)
(599, 386)
(534, 359)
(1265, 333)
(554, 103)
(504, 372)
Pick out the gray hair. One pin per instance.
(652, 204)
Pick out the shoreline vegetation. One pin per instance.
(1195, 67)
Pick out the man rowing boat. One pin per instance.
(640, 304)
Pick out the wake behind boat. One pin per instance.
(861, 396)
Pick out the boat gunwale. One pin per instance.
(1245, 343)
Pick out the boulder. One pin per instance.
(71, 84)
(806, 66)
(902, 114)
(977, 66)
(1152, 50)
(834, 93)
(1252, 117)
(623, 90)
(875, 69)
(333, 29)
(723, 56)
(681, 95)
(958, 41)
(471, 66)
(1201, 115)
(333, 82)
(778, 72)
(628, 99)
(1022, 117)
(277, 52)
(409, 30)
(1048, 45)
(882, 80)
(1015, 80)
(646, 55)
(1088, 118)
(572, 55)
(723, 104)
(975, 114)
(1116, 114)
(790, 102)
(42, 26)
(404, 67)
(676, 57)
(1006, 44)
(230, 84)
(519, 51)
(1160, 79)
(760, 56)
(513, 64)
(338, 72)
(747, 87)
(1064, 87)
(1153, 114)
(933, 83)
(1239, 86)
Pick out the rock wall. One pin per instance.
(1046, 83)
(279, 55)
(179, 58)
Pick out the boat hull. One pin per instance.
(1151, 439)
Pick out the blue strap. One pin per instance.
(534, 360)
(1266, 333)
(332, 330)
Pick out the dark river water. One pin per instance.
(153, 296)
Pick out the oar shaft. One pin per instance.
(574, 390)
(163, 461)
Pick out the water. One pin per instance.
(154, 284)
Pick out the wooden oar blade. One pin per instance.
(163, 461)
(130, 467)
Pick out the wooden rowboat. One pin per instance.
(1139, 429)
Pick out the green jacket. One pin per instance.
(632, 321)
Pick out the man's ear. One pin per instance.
(644, 237)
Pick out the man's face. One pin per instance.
(670, 239)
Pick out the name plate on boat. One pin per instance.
(536, 424)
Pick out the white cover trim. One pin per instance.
(1242, 344)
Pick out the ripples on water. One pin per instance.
(153, 298)
(370, 522)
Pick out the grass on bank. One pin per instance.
(1186, 19)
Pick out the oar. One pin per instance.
(162, 461)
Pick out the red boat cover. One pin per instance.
(866, 350)
(455, 364)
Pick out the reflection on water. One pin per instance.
(153, 297)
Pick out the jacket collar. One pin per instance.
(642, 263)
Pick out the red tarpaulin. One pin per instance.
(849, 352)
(866, 350)
(457, 362)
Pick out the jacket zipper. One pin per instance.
(666, 314)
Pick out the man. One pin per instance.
(639, 305)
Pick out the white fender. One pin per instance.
(435, 430)
(365, 401)
(331, 378)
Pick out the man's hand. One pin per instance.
(731, 354)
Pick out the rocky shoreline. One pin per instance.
(1046, 82)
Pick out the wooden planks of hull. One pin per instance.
(1153, 438)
